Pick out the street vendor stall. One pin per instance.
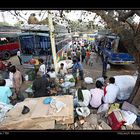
(41, 115)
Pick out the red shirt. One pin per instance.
(88, 54)
(2, 66)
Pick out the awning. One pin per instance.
(8, 34)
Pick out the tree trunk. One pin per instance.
(135, 96)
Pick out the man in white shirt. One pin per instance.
(111, 91)
(62, 71)
(42, 67)
(18, 55)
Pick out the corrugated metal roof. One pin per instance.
(9, 29)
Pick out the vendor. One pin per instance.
(17, 82)
(5, 92)
(42, 67)
(40, 86)
(62, 71)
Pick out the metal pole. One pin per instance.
(51, 29)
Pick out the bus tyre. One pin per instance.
(6, 55)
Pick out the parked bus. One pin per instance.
(37, 45)
(9, 45)
(110, 47)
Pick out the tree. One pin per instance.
(120, 21)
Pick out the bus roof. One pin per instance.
(33, 33)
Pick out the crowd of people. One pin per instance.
(79, 52)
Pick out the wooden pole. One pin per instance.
(52, 38)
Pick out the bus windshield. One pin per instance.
(35, 45)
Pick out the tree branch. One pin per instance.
(138, 28)
(132, 27)
(137, 12)
(124, 16)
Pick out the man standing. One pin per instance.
(111, 91)
(18, 55)
(17, 81)
(105, 62)
(81, 69)
(83, 54)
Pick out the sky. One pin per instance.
(73, 15)
(11, 19)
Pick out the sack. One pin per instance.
(58, 105)
(88, 80)
(115, 120)
(108, 66)
(86, 98)
(129, 117)
(129, 107)
(113, 107)
(103, 108)
(127, 88)
(66, 85)
(83, 111)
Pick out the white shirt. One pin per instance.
(96, 97)
(18, 53)
(52, 74)
(42, 68)
(112, 91)
(63, 71)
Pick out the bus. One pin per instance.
(113, 50)
(9, 45)
(34, 45)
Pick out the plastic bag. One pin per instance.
(58, 105)
(87, 98)
(83, 111)
(113, 107)
(88, 80)
(66, 84)
(115, 120)
(129, 107)
(47, 100)
(103, 108)
(25, 110)
(108, 66)
(68, 77)
(129, 117)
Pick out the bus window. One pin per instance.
(27, 44)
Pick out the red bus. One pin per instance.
(9, 45)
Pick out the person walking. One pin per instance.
(19, 57)
(87, 56)
(83, 54)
